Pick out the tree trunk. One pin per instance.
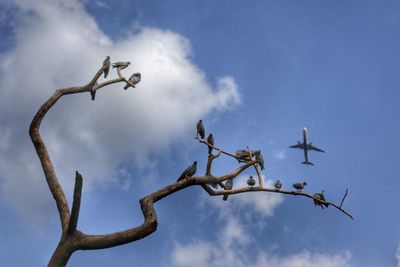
(61, 255)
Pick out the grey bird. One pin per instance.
(134, 79)
(106, 65)
(121, 65)
(228, 186)
(299, 186)
(93, 93)
(200, 129)
(278, 185)
(251, 181)
(189, 172)
(321, 197)
(242, 155)
(210, 140)
(260, 160)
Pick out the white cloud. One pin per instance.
(261, 204)
(58, 45)
(397, 255)
(281, 154)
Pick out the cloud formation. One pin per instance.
(57, 44)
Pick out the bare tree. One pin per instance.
(72, 239)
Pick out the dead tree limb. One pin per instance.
(72, 239)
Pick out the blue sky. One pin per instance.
(256, 72)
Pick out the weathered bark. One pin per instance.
(72, 239)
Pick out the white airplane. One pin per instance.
(306, 147)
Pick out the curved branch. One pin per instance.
(41, 150)
(258, 189)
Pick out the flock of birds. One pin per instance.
(244, 156)
(133, 79)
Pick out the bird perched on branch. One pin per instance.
(251, 181)
(243, 154)
(200, 129)
(299, 186)
(210, 140)
(260, 159)
(134, 79)
(278, 185)
(121, 65)
(106, 65)
(321, 197)
(228, 186)
(189, 172)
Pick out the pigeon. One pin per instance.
(134, 79)
(93, 93)
(210, 140)
(106, 65)
(260, 160)
(121, 65)
(228, 186)
(251, 181)
(189, 172)
(299, 186)
(242, 155)
(321, 197)
(278, 185)
(200, 129)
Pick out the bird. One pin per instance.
(134, 79)
(121, 65)
(242, 155)
(299, 186)
(210, 140)
(321, 197)
(228, 186)
(260, 160)
(106, 65)
(278, 185)
(200, 129)
(93, 93)
(189, 172)
(251, 181)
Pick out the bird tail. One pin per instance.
(225, 198)
(308, 163)
(209, 150)
(126, 86)
(105, 74)
(93, 94)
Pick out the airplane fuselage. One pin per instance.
(305, 142)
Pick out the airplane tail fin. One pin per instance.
(308, 163)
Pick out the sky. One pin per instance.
(256, 73)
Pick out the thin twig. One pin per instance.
(345, 195)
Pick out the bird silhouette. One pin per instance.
(210, 140)
(134, 79)
(228, 186)
(251, 181)
(260, 160)
(200, 129)
(121, 65)
(321, 197)
(106, 65)
(189, 172)
(299, 186)
(278, 185)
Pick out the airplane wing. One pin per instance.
(311, 147)
(299, 145)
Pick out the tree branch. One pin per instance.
(345, 195)
(258, 189)
(40, 147)
(76, 204)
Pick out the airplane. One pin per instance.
(306, 147)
